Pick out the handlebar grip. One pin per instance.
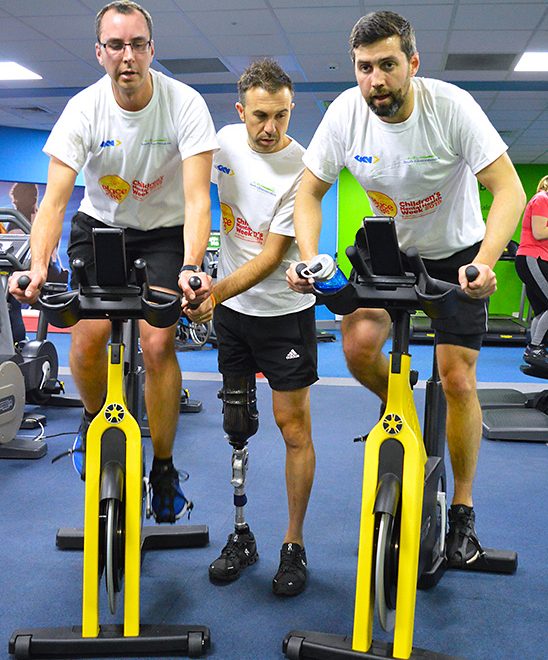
(23, 282)
(471, 273)
(194, 283)
(141, 276)
(299, 269)
(80, 268)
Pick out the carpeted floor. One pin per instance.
(472, 615)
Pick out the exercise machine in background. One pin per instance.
(28, 368)
(509, 328)
(510, 414)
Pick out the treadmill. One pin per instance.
(510, 414)
(501, 329)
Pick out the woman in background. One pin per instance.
(532, 268)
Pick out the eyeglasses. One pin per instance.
(117, 46)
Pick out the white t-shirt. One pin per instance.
(257, 195)
(420, 171)
(132, 161)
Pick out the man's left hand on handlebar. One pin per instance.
(30, 293)
(201, 314)
(483, 286)
(296, 282)
(191, 296)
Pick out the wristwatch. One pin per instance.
(194, 269)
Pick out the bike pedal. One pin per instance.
(361, 438)
(53, 386)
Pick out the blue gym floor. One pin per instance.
(472, 615)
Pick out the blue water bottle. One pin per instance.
(328, 277)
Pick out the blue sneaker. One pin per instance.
(168, 500)
(78, 452)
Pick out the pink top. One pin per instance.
(530, 246)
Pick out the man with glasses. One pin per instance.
(144, 143)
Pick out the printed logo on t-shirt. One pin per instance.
(428, 158)
(110, 143)
(156, 142)
(369, 160)
(140, 189)
(262, 188)
(114, 187)
(420, 207)
(225, 170)
(382, 203)
(244, 231)
(227, 216)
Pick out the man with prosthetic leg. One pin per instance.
(261, 325)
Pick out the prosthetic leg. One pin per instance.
(240, 422)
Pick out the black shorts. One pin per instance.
(469, 325)
(283, 348)
(162, 249)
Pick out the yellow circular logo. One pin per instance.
(383, 203)
(228, 218)
(115, 187)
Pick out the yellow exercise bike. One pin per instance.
(115, 488)
(403, 510)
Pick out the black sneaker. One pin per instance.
(536, 356)
(168, 500)
(463, 546)
(240, 551)
(290, 579)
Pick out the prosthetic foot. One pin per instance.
(240, 422)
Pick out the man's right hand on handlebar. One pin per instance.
(296, 282)
(30, 293)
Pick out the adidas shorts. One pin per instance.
(283, 348)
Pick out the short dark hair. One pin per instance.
(122, 7)
(381, 25)
(265, 73)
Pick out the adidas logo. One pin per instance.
(292, 355)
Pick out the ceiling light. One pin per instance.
(532, 62)
(14, 71)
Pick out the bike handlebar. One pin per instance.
(159, 308)
(409, 291)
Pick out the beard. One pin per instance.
(388, 109)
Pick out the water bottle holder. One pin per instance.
(342, 301)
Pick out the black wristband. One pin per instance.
(194, 269)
